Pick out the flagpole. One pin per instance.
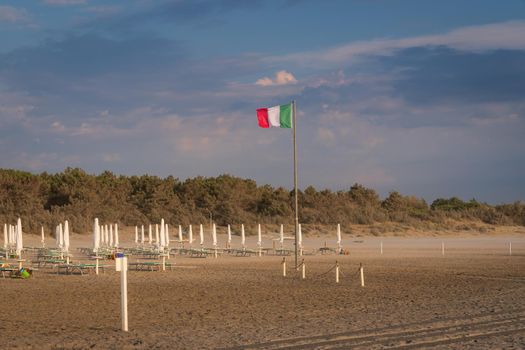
(294, 126)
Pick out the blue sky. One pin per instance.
(422, 97)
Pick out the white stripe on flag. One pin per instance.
(274, 116)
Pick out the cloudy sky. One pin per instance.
(420, 96)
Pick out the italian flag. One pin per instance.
(278, 116)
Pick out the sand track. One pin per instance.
(406, 336)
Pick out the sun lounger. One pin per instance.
(149, 265)
(80, 268)
(8, 270)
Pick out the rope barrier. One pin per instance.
(336, 267)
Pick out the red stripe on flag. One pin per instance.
(262, 117)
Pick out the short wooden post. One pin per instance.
(336, 272)
(304, 269)
(362, 275)
(124, 293)
(284, 267)
(443, 248)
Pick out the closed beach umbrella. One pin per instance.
(66, 236)
(167, 234)
(106, 234)
(43, 238)
(149, 235)
(214, 235)
(281, 235)
(116, 236)
(157, 233)
(162, 242)
(57, 237)
(61, 236)
(110, 235)
(243, 237)
(229, 235)
(136, 235)
(190, 235)
(201, 234)
(19, 241)
(12, 237)
(96, 236)
(142, 234)
(6, 235)
(259, 235)
(180, 233)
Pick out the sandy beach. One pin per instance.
(473, 297)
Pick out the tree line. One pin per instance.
(46, 199)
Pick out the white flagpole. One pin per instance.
(294, 126)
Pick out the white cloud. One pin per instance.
(12, 14)
(282, 77)
(505, 35)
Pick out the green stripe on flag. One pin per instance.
(285, 116)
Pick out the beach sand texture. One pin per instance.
(471, 298)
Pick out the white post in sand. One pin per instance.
(304, 269)
(167, 240)
(229, 237)
(284, 266)
(66, 241)
(336, 272)
(243, 237)
(362, 273)
(443, 248)
(259, 239)
(381, 247)
(122, 266)
(510, 248)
